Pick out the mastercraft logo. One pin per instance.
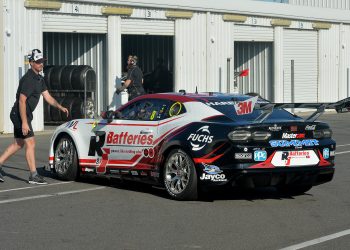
(260, 155)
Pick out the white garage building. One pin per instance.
(295, 52)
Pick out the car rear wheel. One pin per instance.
(294, 189)
(180, 176)
(66, 160)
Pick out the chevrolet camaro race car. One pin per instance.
(187, 141)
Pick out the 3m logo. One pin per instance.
(246, 107)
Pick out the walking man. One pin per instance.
(30, 87)
(134, 81)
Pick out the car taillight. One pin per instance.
(243, 135)
(261, 136)
(239, 135)
(323, 133)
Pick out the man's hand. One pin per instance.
(64, 110)
(25, 128)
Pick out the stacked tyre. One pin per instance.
(67, 85)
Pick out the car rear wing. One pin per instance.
(342, 106)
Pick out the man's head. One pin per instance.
(36, 60)
(132, 60)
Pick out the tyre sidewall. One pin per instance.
(72, 172)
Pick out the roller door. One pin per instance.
(300, 46)
(253, 33)
(74, 23)
(147, 27)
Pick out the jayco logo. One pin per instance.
(201, 138)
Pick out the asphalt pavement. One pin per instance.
(106, 214)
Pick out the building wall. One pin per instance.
(334, 4)
(2, 75)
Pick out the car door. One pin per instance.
(130, 139)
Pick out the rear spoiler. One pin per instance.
(342, 106)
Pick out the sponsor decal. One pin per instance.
(212, 173)
(332, 153)
(310, 127)
(275, 128)
(200, 139)
(220, 103)
(326, 153)
(124, 138)
(143, 173)
(72, 125)
(293, 136)
(295, 143)
(134, 173)
(246, 107)
(294, 128)
(124, 172)
(260, 155)
(148, 152)
(89, 170)
(295, 158)
(243, 156)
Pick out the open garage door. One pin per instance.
(156, 60)
(300, 48)
(257, 57)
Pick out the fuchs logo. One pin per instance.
(293, 136)
(124, 138)
(212, 173)
(200, 139)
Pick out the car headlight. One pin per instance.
(323, 133)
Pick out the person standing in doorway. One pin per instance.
(30, 87)
(134, 80)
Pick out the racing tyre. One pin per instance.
(294, 189)
(180, 176)
(66, 160)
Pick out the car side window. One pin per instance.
(169, 109)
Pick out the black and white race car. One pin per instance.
(187, 141)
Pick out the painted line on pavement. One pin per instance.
(340, 153)
(50, 195)
(37, 186)
(344, 145)
(318, 240)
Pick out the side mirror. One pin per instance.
(108, 115)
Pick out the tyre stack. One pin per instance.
(67, 84)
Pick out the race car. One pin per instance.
(184, 142)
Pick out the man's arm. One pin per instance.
(23, 113)
(50, 100)
(125, 85)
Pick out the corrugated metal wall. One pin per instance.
(22, 36)
(191, 53)
(344, 61)
(80, 49)
(147, 27)
(278, 64)
(253, 33)
(329, 86)
(220, 37)
(258, 58)
(300, 46)
(335, 4)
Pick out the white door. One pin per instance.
(300, 48)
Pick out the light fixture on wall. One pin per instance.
(320, 26)
(281, 22)
(234, 18)
(52, 5)
(179, 14)
(116, 11)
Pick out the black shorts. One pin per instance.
(17, 124)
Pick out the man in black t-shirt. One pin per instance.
(134, 80)
(30, 87)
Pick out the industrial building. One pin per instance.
(296, 52)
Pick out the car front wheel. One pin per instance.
(66, 160)
(180, 176)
